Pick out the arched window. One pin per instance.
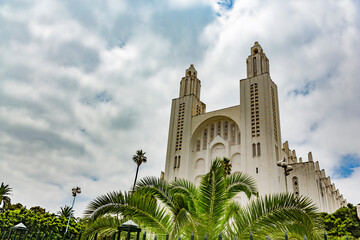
(258, 149)
(225, 130)
(175, 164)
(254, 66)
(179, 161)
(254, 149)
(233, 132)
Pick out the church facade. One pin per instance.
(248, 134)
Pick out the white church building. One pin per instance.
(248, 134)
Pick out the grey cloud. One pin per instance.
(101, 97)
(74, 54)
(183, 28)
(48, 139)
(13, 32)
(127, 119)
(19, 73)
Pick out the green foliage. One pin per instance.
(66, 212)
(227, 166)
(5, 200)
(104, 226)
(342, 222)
(180, 208)
(36, 219)
(138, 158)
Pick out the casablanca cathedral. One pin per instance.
(248, 134)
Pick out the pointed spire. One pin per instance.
(310, 157)
(257, 63)
(190, 84)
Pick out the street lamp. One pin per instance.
(75, 191)
(287, 169)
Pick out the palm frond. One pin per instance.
(146, 210)
(155, 187)
(188, 189)
(275, 214)
(227, 223)
(109, 203)
(139, 157)
(106, 225)
(212, 197)
(240, 182)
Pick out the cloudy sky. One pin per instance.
(84, 84)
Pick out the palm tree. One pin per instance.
(5, 191)
(181, 208)
(138, 158)
(103, 226)
(66, 212)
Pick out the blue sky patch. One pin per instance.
(314, 126)
(347, 164)
(227, 4)
(305, 90)
(95, 179)
(82, 130)
(102, 97)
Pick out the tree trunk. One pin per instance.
(137, 170)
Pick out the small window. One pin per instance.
(254, 66)
(295, 181)
(254, 149)
(205, 139)
(257, 170)
(198, 145)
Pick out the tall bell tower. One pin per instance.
(260, 123)
(183, 108)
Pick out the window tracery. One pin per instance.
(205, 140)
(212, 129)
(218, 129)
(295, 181)
(198, 145)
(225, 130)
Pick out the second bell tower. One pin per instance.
(260, 123)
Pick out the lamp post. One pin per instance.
(75, 191)
(287, 169)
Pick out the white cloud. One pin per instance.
(82, 87)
